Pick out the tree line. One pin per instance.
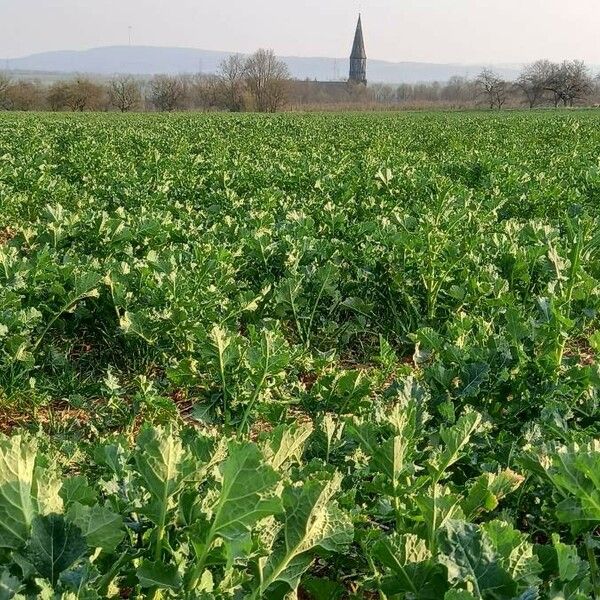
(258, 82)
(261, 82)
(540, 84)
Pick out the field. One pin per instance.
(300, 356)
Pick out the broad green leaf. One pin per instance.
(568, 561)
(158, 575)
(286, 445)
(136, 324)
(17, 472)
(247, 492)
(455, 439)
(409, 568)
(82, 580)
(55, 545)
(159, 461)
(568, 573)
(437, 507)
(470, 558)
(515, 551)
(46, 492)
(101, 527)
(311, 520)
(221, 339)
(268, 355)
(390, 457)
(575, 472)
(77, 489)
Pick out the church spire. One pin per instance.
(358, 58)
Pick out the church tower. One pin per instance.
(358, 58)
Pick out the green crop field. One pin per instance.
(300, 356)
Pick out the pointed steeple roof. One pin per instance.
(358, 48)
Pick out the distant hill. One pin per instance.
(149, 60)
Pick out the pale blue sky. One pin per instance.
(470, 31)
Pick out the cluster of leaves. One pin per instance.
(185, 516)
(194, 515)
(420, 292)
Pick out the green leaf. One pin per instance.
(136, 324)
(159, 459)
(206, 583)
(46, 492)
(17, 473)
(286, 445)
(268, 355)
(55, 545)
(455, 439)
(158, 575)
(514, 550)
(247, 492)
(575, 472)
(473, 377)
(437, 507)
(311, 521)
(594, 341)
(101, 527)
(568, 561)
(409, 568)
(82, 581)
(488, 490)
(77, 489)
(9, 585)
(471, 558)
(390, 457)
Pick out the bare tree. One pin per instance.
(459, 91)
(533, 81)
(203, 91)
(232, 84)
(555, 83)
(26, 95)
(493, 88)
(382, 93)
(124, 93)
(267, 78)
(596, 91)
(569, 82)
(77, 95)
(83, 94)
(577, 82)
(167, 93)
(57, 95)
(4, 91)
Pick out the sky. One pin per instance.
(442, 31)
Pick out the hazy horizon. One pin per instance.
(436, 31)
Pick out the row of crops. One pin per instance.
(300, 356)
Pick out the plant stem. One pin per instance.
(252, 402)
(561, 340)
